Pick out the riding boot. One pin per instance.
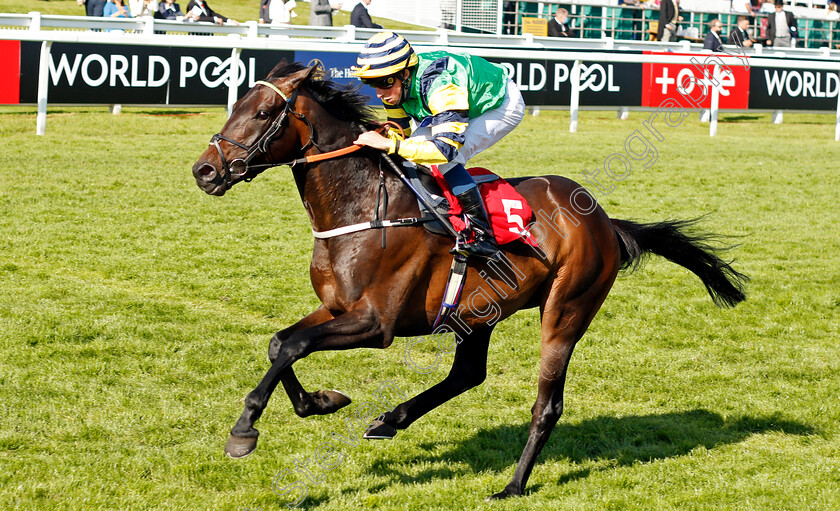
(484, 243)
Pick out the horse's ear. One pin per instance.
(280, 65)
(296, 79)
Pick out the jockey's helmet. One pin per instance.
(384, 54)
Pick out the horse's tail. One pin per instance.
(673, 240)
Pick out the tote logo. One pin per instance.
(663, 81)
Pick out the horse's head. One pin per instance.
(262, 131)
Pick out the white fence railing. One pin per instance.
(67, 28)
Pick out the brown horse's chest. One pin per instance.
(338, 281)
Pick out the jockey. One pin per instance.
(461, 104)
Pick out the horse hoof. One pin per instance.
(499, 496)
(378, 430)
(240, 446)
(332, 401)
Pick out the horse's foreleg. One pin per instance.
(469, 370)
(355, 329)
(306, 403)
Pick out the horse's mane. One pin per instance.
(342, 101)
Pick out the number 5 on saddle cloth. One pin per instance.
(507, 211)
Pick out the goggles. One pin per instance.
(384, 82)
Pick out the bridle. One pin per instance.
(241, 168)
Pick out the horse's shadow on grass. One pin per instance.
(620, 440)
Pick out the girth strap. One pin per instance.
(375, 224)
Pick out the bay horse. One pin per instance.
(369, 293)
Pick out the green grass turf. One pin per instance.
(240, 10)
(135, 313)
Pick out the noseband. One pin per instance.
(241, 168)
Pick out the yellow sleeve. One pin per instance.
(423, 152)
(398, 115)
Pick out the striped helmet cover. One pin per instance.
(384, 54)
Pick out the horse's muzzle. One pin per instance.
(209, 179)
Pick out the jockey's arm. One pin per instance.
(449, 106)
(447, 138)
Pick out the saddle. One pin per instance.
(508, 212)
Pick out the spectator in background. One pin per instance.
(281, 12)
(739, 35)
(559, 25)
(264, 17)
(509, 18)
(360, 16)
(169, 10)
(832, 14)
(321, 12)
(93, 7)
(116, 9)
(768, 6)
(781, 27)
(746, 6)
(143, 7)
(198, 10)
(669, 18)
(712, 40)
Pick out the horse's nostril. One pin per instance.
(206, 172)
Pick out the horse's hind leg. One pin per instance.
(306, 403)
(564, 320)
(469, 369)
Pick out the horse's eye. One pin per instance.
(262, 115)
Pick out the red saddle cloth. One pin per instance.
(509, 212)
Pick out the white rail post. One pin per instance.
(253, 29)
(574, 101)
(778, 117)
(149, 27)
(233, 79)
(715, 100)
(443, 37)
(35, 22)
(43, 86)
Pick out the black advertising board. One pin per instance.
(84, 73)
(546, 82)
(793, 89)
(87, 73)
